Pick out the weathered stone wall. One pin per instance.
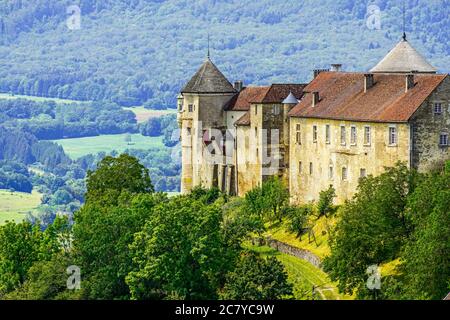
(305, 187)
(426, 127)
(248, 171)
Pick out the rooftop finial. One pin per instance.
(208, 47)
(404, 20)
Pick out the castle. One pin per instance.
(334, 130)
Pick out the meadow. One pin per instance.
(15, 205)
(78, 147)
(143, 114)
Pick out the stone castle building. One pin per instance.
(334, 130)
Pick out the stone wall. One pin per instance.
(427, 127)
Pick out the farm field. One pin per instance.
(143, 114)
(304, 276)
(15, 205)
(39, 99)
(78, 147)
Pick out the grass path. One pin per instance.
(303, 276)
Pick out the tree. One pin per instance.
(114, 175)
(256, 278)
(372, 227)
(298, 218)
(325, 204)
(183, 251)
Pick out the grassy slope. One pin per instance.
(303, 276)
(15, 205)
(78, 147)
(320, 227)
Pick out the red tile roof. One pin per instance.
(342, 97)
(276, 93)
(244, 120)
(241, 101)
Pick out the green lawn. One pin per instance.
(38, 99)
(78, 147)
(143, 114)
(304, 276)
(15, 205)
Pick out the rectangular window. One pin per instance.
(367, 137)
(188, 131)
(311, 168)
(343, 135)
(353, 135)
(180, 106)
(438, 108)
(276, 109)
(190, 107)
(443, 139)
(330, 172)
(298, 137)
(300, 170)
(362, 173)
(344, 173)
(392, 136)
(256, 110)
(314, 133)
(256, 132)
(327, 133)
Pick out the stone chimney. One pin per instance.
(368, 81)
(238, 85)
(317, 71)
(336, 67)
(315, 98)
(409, 82)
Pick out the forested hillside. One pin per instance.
(136, 52)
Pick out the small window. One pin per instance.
(256, 110)
(392, 136)
(310, 168)
(300, 170)
(362, 173)
(443, 139)
(438, 108)
(256, 132)
(327, 133)
(276, 109)
(330, 172)
(314, 133)
(247, 142)
(343, 135)
(344, 173)
(180, 106)
(191, 108)
(367, 137)
(298, 136)
(188, 131)
(353, 135)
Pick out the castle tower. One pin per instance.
(201, 109)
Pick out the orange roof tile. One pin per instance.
(241, 101)
(342, 97)
(244, 120)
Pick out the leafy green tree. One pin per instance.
(114, 175)
(372, 228)
(426, 257)
(256, 278)
(298, 218)
(183, 251)
(325, 204)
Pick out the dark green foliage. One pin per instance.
(114, 175)
(298, 218)
(325, 204)
(14, 176)
(139, 63)
(256, 278)
(372, 229)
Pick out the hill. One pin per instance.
(142, 51)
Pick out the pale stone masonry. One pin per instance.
(340, 127)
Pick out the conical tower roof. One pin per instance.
(403, 58)
(290, 99)
(208, 79)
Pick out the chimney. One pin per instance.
(317, 71)
(409, 81)
(368, 81)
(315, 98)
(336, 67)
(238, 85)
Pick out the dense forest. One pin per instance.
(142, 51)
